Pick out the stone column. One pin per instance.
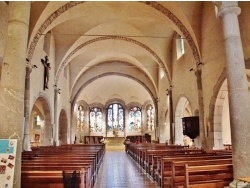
(55, 125)
(171, 115)
(13, 79)
(237, 90)
(26, 138)
(203, 134)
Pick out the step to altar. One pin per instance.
(114, 143)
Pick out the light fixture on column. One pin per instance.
(170, 89)
(200, 64)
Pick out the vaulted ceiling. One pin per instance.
(114, 48)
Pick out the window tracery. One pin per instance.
(80, 118)
(95, 120)
(150, 118)
(115, 118)
(135, 117)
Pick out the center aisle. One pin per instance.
(120, 171)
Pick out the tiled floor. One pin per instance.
(120, 171)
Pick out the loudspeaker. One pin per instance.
(191, 126)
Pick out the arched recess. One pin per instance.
(183, 109)
(41, 128)
(63, 127)
(219, 127)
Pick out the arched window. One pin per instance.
(115, 117)
(135, 119)
(150, 118)
(80, 118)
(95, 120)
(180, 46)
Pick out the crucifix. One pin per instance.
(46, 65)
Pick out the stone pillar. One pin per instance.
(26, 138)
(237, 90)
(203, 134)
(157, 127)
(13, 79)
(55, 125)
(171, 116)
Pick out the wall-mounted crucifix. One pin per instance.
(46, 65)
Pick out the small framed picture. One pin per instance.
(37, 137)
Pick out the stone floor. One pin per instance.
(118, 170)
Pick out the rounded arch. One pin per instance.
(114, 100)
(78, 92)
(183, 109)
(154, 54)
(44, 128)
(63, 127)
(218, 113)
(53, 19)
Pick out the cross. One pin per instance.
(46, 65)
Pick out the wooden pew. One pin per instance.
(167, 166)
(179, 172)
(49, 179)
(148, 155)
(45, 165)
(211, 176)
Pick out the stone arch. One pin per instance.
(63, 127)
(45, 130)
(135, 42)
(216, 112)
(183, 109)
(170, 15)
(74, 98)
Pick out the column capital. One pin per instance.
(226, 7)
(28, 67)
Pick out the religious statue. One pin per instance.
(46, 65)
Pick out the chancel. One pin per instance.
(78, 79)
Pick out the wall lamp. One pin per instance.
(34, 66)
(168, 90)
(200, 64)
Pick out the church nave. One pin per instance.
(120, 171)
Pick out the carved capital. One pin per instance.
(228, 8)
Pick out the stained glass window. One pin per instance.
(80, 118)
(95, 120)
(150, 118)
(135, 119)
(115, 117)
